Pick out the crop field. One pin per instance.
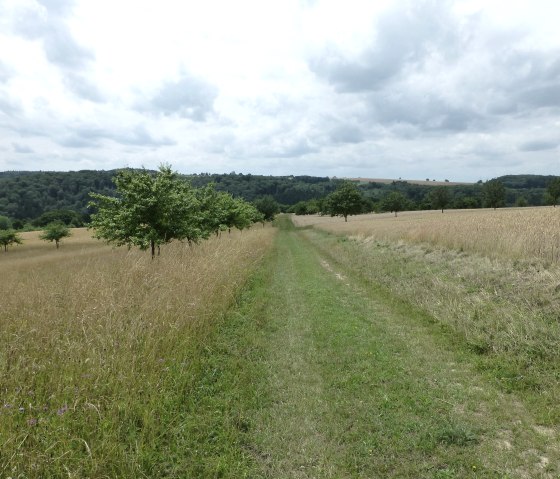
(423, 346)
(516, 233)
(97, 348)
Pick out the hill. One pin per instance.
(27, 195)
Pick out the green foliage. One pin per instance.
(553, 190)
(150, 210)
(28, 195)
(68, 217)
(439, 197)
(9, 237)
(268, 206)
(5, 223)
(494, 193)
(346, 200)
(55, 231)
(394, 202)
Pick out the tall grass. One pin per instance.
(98, 349)
(518, 233)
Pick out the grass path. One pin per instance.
(354, 384)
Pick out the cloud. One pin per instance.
(83, 88)
(58, 7)
(403, 38)
(92, 137)
(8, 106)
(539, 145)
(18, 148)
(346, 133)
(189, 97)
(61, 49)
(5, 73)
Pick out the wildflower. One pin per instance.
(62, 410)
(32, 421)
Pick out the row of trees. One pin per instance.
(153, 209)
(349, 200)
(53, 232)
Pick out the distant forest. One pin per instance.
(26, 196)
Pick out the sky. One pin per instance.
(464, 90)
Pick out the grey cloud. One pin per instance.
(8, 106)
(346, 133)
(539, 145)
(91, 137)
(63, 50)
(83, 88)
(24, 149)
(405, 35)
(541, 96)
(188, 98)
(141, 137)
(424, 110)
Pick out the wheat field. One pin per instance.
(97, 342)
(513, 233)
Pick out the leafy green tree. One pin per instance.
(5, 223)
(494, 193)
(345, 200)
(68, 217)
(245, 214)
(9, 237)
(439, 198)
(55, 231)
(553, 191)
(18, 224)
(268, 206)
(150, 210)
(394, 201)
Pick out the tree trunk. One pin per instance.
(56, 241)
(153, 245)
(442, 210)
(395, 214)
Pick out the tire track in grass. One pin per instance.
(361, 389)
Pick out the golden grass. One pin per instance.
(89, 337)
(513, 233)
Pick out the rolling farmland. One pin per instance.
(422, 346)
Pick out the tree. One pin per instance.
(150, 210)
(9, 237)
(5, 223)
(346, 200)
(394, 201)
(68, 217)
(494, 193)
(553, 190)
(439, 198)
(268, 206)
(55, 231)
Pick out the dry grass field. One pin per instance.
(513, 233)
(97, 344)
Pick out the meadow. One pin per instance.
(490, 278)
(512, 233)
(99, 347)
(421, 346)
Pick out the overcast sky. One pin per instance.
(460, 90)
